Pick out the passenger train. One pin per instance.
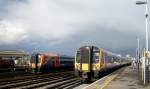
(92, 62)
(49, 62)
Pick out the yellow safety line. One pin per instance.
(108, 81)
(94, 83)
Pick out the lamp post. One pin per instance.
(138, 53)
(145, 61)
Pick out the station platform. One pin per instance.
(124, 78)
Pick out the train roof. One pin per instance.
(50, 54)
(66, 58)
(88, 46)
(106, 51)
(13, 53)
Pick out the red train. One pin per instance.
(6, 63)
(49, 62)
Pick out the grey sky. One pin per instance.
(64, 25)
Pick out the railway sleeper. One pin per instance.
(35, 85)
(59, 83)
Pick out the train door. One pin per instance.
(96, 61)
(33, 62)
(86, 62)
(57, 61)
(77, 63)
(102, 59)
(37, 62)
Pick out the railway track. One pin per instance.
(65, 84)
(28, 76)
(43, 81)
(12, 74)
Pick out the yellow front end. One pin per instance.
(96, 67)
(82, 70)
(35, 68)
(33, 65)
(85, 67)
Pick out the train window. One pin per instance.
(85, 55)
(108, 58)
(52, 58)
(50, 62)
(95, 57)
(112, 59)
(57, 62)
(115, 59)
(78, 57)
(39, 58)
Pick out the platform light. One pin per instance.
(39, 56)
(140, 2)
(145, 60)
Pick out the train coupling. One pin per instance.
(85, 75)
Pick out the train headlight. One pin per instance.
(87, 47)
(39, 56)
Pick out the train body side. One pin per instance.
(67, 62)
(50, 63)
(44, 62)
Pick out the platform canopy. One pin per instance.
(13, 53)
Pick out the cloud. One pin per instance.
(45, 20)
(68, 24)
(11, 33)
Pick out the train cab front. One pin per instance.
(36, 63)
(83, 63)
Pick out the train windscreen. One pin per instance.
(85, 55)
(33, 59)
